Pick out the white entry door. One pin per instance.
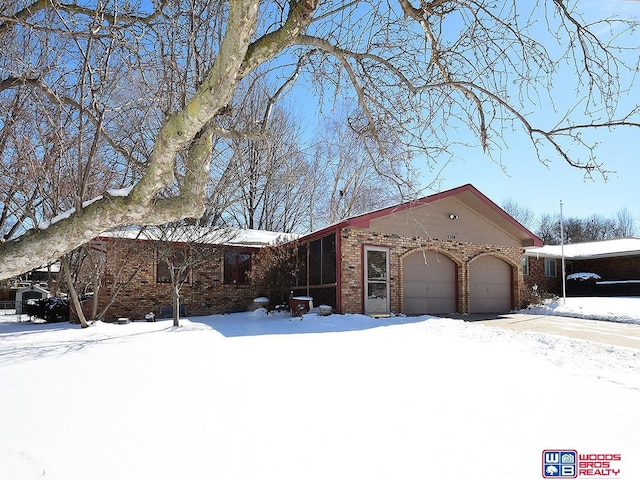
(376, 280)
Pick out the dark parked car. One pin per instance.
(582, 284)
(54, 309)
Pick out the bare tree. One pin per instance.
(548, 229)
(522, 214)
(151, 89)
(122, 268)
(181, 247)
(121, 273)
(265, 177)
(598, 227)
(625, 225)
(348, 182)
(277, 267)
(67, 262)
(576, 230)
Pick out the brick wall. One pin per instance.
(204, 294)
(543, 283)
(353, 240)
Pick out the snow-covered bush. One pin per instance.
(533, 296)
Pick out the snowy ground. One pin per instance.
(615, 309)
(249, 396)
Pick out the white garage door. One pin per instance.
(429, 284)
(490, 285)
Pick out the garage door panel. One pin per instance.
(417, 272)
(440, 289)
(490, 285)
(429, 286)
(415, 289)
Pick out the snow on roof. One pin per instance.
(222, 236)
(601, 249)
(255, 238)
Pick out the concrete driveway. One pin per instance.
(610, 333)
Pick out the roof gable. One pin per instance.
(466, 195)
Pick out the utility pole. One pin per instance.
(564, 283)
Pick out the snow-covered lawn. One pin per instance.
(249, 396)
(616, 309)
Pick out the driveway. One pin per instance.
(610, 333)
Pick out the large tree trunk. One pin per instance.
(176, 306)
(72, 292)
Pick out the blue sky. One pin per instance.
(525, 180)
(519, 175)
(541, 188)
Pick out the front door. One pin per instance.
(376, 280)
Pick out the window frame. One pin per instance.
(525, 265)
(547, 267)
(162, 264)
(236, 274)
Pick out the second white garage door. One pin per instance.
(429, 284)
(490, 285)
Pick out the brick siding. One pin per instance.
(204, 294)
(537, 277)
(463, 254)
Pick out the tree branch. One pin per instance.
(22, 16)
(15, 82)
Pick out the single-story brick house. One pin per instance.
(616, 262)
(455, 251)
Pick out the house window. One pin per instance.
(525, 265)
(318, 262)
(329, 259)
(175, 258)
(315, 262)
(236, 267)
(549, 267)
(316, 274)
